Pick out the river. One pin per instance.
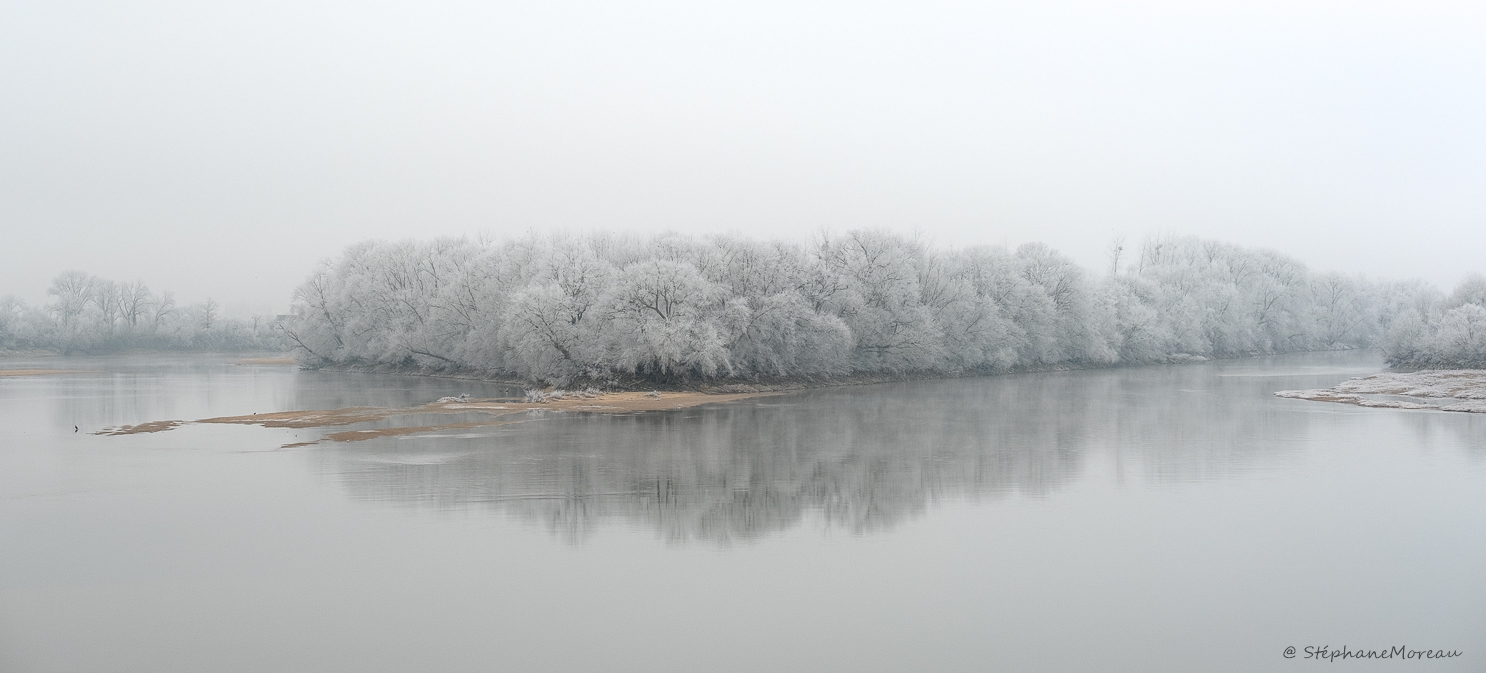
(1160, 518)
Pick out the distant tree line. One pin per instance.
(557, 309)
(88, 314)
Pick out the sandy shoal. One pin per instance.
(499, 412)
(152, 426)
(1462, 390)
(36, 372)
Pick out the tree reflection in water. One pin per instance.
(862, 459)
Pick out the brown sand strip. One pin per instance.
(607, 403)
(37, 372)
(310, 419)
(152, 426)
(323, 418)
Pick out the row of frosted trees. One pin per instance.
(86, 313)
(1444, 334)
(605, 307)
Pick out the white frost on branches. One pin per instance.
(1434, 333)
(556, 309)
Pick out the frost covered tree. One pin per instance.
(553, 326)
(1472, 290)
(880, 301)
(663, 321)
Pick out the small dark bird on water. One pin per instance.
(74, 428)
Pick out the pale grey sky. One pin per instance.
(223, 148)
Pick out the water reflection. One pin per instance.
(861, 459)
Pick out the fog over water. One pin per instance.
(222, 149)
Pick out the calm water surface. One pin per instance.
(1168, 518)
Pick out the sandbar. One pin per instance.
(1462, 390)
(152, 426)
(500, 413)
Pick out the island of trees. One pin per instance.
(669, 308)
